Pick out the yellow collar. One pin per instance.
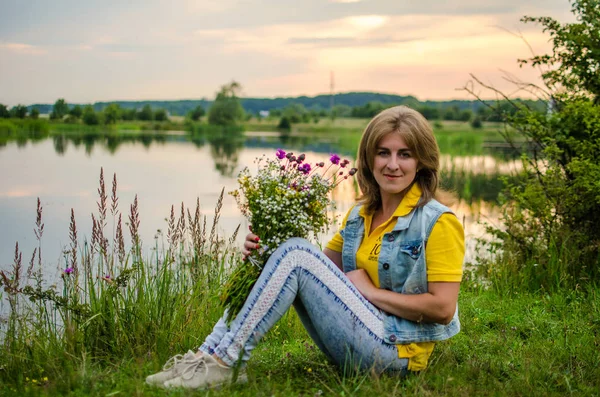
(409, 201)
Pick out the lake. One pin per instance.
(168, 170)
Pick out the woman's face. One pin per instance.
(394, 166)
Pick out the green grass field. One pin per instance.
(523, 345)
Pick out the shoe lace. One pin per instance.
(172, 362)
(197, 366)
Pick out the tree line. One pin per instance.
(352, 104)
(87, 114)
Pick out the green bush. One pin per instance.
(284, 124)
(550, 237)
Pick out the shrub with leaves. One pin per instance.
(551, 226)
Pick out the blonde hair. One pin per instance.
(417, 133)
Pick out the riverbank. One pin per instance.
(454, 138)
(177, 123)
(524, 344)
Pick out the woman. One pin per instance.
(382, 292)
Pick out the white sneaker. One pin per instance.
(174, 367)
(206, 373)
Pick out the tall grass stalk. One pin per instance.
(110, 304)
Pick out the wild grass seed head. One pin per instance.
(114, 199)
(73, 237)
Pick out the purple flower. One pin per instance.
(335, 159)
(280, 154)
(304, 168)
(69, 270)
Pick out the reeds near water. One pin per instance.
(110, 302)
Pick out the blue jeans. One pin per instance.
(342, 323)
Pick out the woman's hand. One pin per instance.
(361, 280)
(250, 244)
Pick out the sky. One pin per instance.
(89, 51)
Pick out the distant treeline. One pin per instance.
(352, 104)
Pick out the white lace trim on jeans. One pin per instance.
(297, 258)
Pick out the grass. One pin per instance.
(524, 344)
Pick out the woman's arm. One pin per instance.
(435, 306)
(336, 257)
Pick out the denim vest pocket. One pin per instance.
(412, 249)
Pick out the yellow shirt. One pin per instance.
(444, 258)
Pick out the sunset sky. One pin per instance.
(88, 51)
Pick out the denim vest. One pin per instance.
(401, 268)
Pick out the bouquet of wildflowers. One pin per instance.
(287, 198)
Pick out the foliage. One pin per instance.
(89, 116)
(227, 109)
(35, 113)
(476, 123)
(574, 65)
(76, 112)
(146, 113)
(287, 198)
(18, 111)
(296, 113)
(551, 233)
(4, 113)
(160, 115)
(196, 113)
(317, 106)
(340, 110)
(128, 114)
(23, 130)
(284, 124)
(369, 110)
(59, 110)
(112, 113)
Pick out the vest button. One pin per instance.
(386, 266)
(391, 238)
(392, 338)
(415, 251)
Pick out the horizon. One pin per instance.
(273, 98)
(143, 50)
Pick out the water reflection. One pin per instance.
(472, 177)
(110, 141)
(224, 151)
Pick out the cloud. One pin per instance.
(23, 48)
(142, 49)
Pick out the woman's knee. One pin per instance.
(294, 243)
(284, 252)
